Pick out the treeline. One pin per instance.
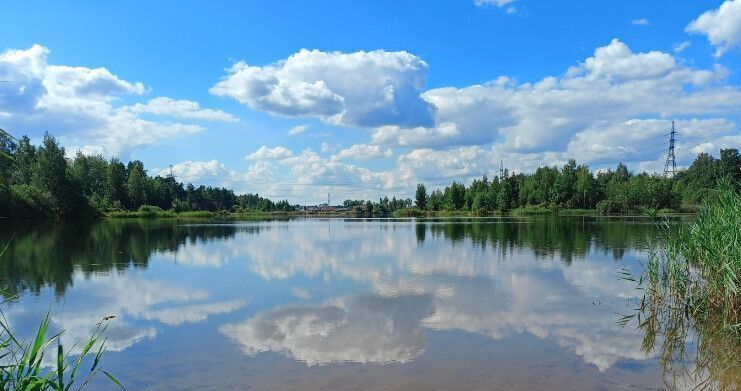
(572, 186)
(577, 187)
(41, 182)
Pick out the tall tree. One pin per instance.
(421, 196)
(730, 164)
(116, 183)
(25, 155)
(136, 184)
(50, 168)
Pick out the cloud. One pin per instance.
(195, 169)
(298, 129)
(613, 85)
(181, 109)
(497, 3)
(443, 286)
(361, 329)
(640, 22)
(722, 26)
(432, 164)
(364, 89)
(265, 153)
(641, 140)
(80, 105)
(679, 48)
(363, 151)
(174, 316)
(134, 302)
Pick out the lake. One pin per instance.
(316, 304)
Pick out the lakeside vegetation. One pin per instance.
(692, 293)
(42, 182)
(25, 369)
(574, 189)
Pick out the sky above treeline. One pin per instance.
(297, 99)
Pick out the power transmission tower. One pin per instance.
(501, 170)
(171, 175)
(670, 168)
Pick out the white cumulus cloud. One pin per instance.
(298, 129)
(265, 153)
(363, 151)
(181, 109)
(80, 105)
(354, 89)
(722, 26)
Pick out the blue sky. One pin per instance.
(386, 94)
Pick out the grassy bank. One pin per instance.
(149, 212)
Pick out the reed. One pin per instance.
(22, 364)
(691, 293)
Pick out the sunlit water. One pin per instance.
(341, 304)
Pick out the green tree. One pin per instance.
(136, 184)
(116, 183)
(454, 197)
(421, 196)
(564, 186)
(49, 172)
(584, 187)
(25, 155)
(730, 164)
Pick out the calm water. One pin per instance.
(341, 304)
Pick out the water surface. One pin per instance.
(316, 304)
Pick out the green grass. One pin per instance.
(705, 258)
(408, 212)
(699, 270)
(578, 212)
(198, 214)
(532, 210)
(22, 365)
(145, 212)
(691, 291)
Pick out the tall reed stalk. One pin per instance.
(690, 307)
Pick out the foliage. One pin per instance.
(421, 196)
(42, 182)
(532, 210)
(408, 212)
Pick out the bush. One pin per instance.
(532, 210)
(609, 207)
(196, 214)
(408, 212)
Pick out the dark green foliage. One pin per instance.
(41, 182)
(574, 187)
(421, 197)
